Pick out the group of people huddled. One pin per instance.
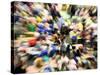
(53, 37)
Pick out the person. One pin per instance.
(53, 11)
(17, 65)
(65, 61)
(32, 42)
(68, 50)
(72, 65)
(36, 67)
(31, 27)
(61, 35)
(53, 63)
(63, 49)
(73, 36)
(47, 68)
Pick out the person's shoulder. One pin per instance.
(29, 68)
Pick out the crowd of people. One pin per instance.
(53, 37)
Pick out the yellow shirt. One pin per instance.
(24, 13)
(80, 26)
(38, 19)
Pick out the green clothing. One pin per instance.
(31, 27)
(65, 15)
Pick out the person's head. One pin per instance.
(32, 42)
(55, 30)
(36, 34)
(46, 25)
(75, 30)
(49, 17)
(25, 23)
(85, 64)
(81, 47)
(39, 62)
(73, 47)
(64, 7)
(95, 45)
(41, 39)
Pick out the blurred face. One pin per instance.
(42, 41)
(46, 25)
(74, 30)
(39, 62)
(44, 47)
(81, 47)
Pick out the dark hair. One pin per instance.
(41, 38)
(73, 47)
(65, 30)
